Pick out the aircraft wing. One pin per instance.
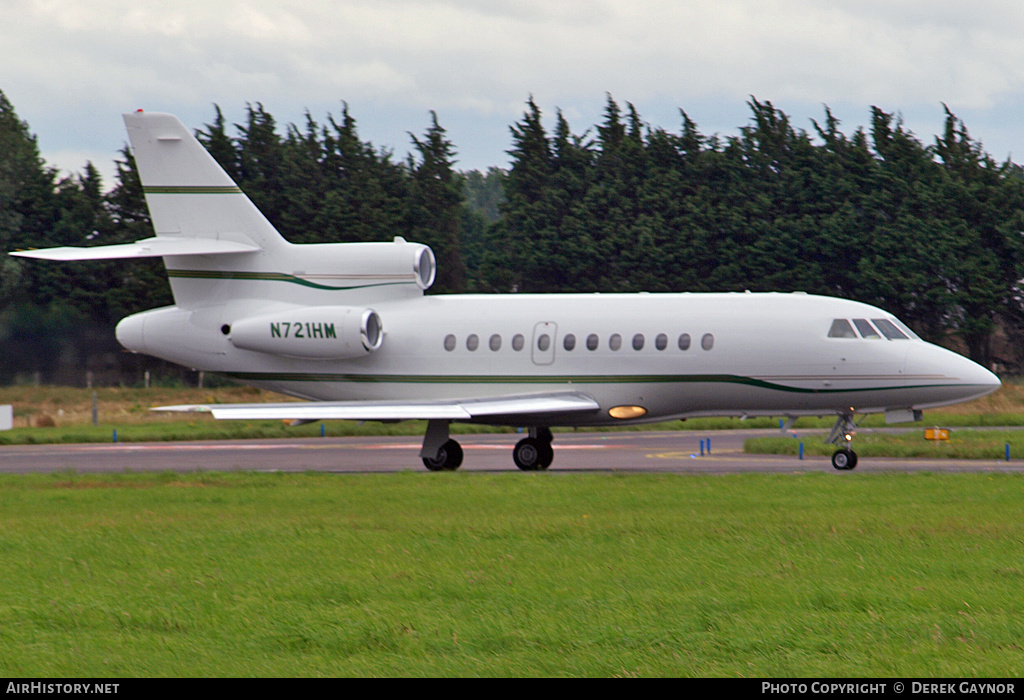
(514, 407)
(146, 248)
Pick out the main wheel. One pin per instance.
(449, 458)
(531, 454)
(547, 455)
(844, 459)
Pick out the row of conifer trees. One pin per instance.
(931, 232)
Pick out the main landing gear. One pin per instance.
(844, 458)
(447, 459)
(441, 453)
(534, 453)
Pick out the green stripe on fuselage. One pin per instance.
(267, 277)
(551, 379)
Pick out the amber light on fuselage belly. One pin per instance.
(627, 411)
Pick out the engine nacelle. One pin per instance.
(312, 333)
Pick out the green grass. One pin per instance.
(206, 428)
(418, 574)
(962, 444)
(52, 414)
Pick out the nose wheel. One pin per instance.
(844, 459)
(842, 433)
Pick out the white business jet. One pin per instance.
(347, 327)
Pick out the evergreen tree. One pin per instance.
(221, 146)
(522, 235)
(27, 200)
(484, 200)
(436, 205)
(906, 258)
(260, 161)
(988, 207)
(931, 233)
(485, 192)
(366, 194)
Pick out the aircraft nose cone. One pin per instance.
(973, 375)
(960, 378)
(985, 379)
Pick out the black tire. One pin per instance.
(449, 458)
(844, 459)
(547, 455)
(528, 454)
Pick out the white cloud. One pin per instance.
(480, 59)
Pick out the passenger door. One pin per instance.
(543, 347)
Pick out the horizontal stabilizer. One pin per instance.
(523, 407)
(146, 248)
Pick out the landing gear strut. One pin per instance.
(534, 453)
(440, 452)
(844, 458)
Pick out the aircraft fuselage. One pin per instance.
(673, 355)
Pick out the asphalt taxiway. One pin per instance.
(677, 451)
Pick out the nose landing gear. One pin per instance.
(842, 433)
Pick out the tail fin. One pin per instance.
(217, 246)
(203, 222)
(188, 193)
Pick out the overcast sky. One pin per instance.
(71, 67)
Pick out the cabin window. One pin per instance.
(661, 342)
(865, 328)
(518, 342)
(708, 341)
(449, 342)
(615, 342)
(495, 342)
(569, 342)
(543, 342)
(684, 341)
(472, 342)
(638, 341)
(592, 341)
(889, 329)
(841, 328)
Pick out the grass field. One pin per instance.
(478, 574)
(62, 414)
(418, 574)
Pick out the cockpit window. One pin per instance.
(841, 328)
(889, 329)
(903, 327)
(865, 328)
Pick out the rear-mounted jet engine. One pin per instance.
(313, 333)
